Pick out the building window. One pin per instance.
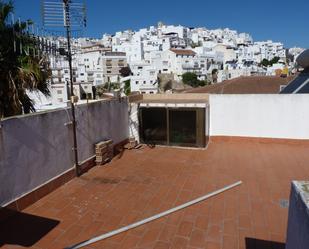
(136, 82)
(144, 82)
(66, 71)
(109, 71)
(81, 74)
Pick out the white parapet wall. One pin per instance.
(260, 115)
(36, 148)
(133, 121)
(298, 223)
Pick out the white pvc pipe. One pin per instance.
(157, 216)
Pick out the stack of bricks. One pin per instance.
(103, 152)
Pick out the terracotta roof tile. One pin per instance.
(183, 51)
(245, 85)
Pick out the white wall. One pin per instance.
(298, 222)
(36, 148)
(260, 115)
(133, 121)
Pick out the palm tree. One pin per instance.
(22, 66)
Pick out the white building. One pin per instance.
(144, 78)
(163, 49)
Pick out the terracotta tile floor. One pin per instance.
(147, 181)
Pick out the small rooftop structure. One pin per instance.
(173, 119)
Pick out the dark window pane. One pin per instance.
(182, 126)
(153, 125)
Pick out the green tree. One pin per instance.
(125, 71)
(21, 67)
(204, 83)
(190, 79)
(267, 63)
(274, 60)
(127, 87)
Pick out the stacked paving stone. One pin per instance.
(103, 152)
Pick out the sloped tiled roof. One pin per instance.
(183, 52)
(245, 85)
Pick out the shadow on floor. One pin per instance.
(24, 229)
(263, 244)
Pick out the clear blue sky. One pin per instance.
(286, 20)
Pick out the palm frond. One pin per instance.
(19, 71)
(5, 10)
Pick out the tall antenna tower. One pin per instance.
(65, 14)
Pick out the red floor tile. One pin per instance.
(146, 181)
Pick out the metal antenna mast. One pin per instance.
(66, 14)
(67, 24)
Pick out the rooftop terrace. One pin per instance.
(143, 182)
(262, 140)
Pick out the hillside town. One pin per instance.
(154, 59)
(164, 137)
